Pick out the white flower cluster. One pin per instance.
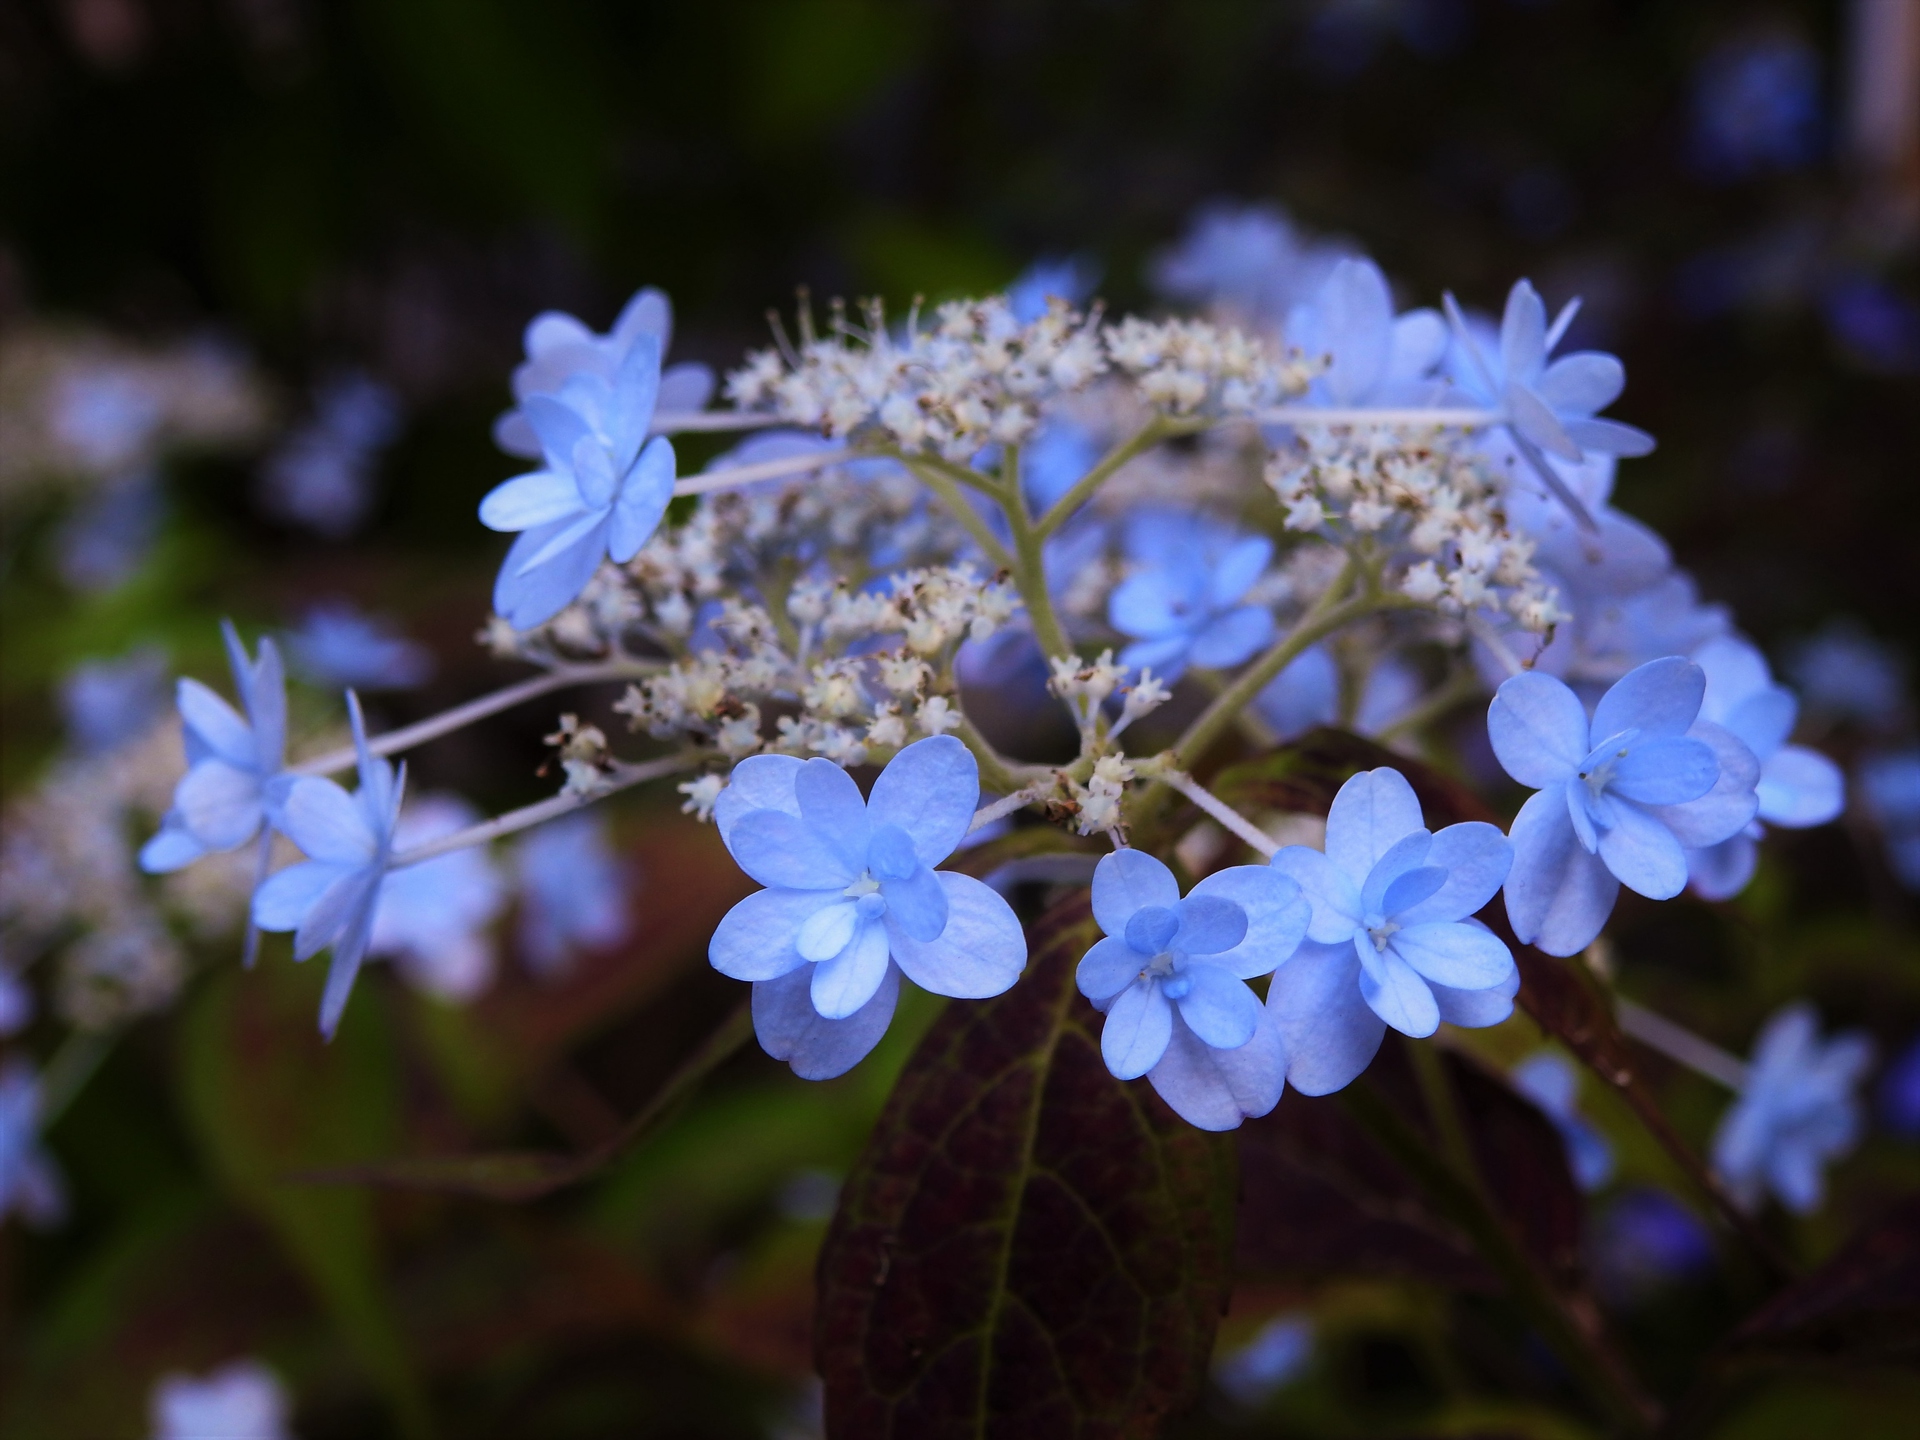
(1195, 367)
(851, 670)
(977, 377)
(1431, 503)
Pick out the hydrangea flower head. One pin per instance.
(29, 1184)
(1171, 976)
(602, 493)
(1619, 800)
(1799, 1111)
(1550, 1082)
(234, 762)
(1797, 787)
(241, 1401)
(1373, 356)
(330, 899)
(853, 901)
(1391, 940)
(1182, 604)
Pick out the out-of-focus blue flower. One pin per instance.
(853, 901)
(321, 476)
(1307, 693)
(572, 894)
(1645, 1240)
(1274, 1358)
(1056, 457)
(330, 898)
(1374, 357)
(602, 493)
(1171, 978)
(432, 918)
(234, 778)
(107, 414)
(1900, 1093)
(241, 1401)
(1756, 107)
(1182, 604)
(1550, 1082)
(1618, 801)
(1798, 1113)
(16, 1002)
(1391, 941)
(1248, 260)
(1846, 673)
(559, 347)
(29, 1182)
(1874, 324)
(101, 545)
(1797, 788)
(106, 703)
(337, 646)
(1070, 278)
(1890, 787)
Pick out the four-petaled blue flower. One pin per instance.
(603, 492)
(1798, 1112)
(330, 898)
(853, 901)
(1390, 941)
(1550, 1082)
(1620, 800)
(1374, 357)
(234, 765)
(1182, 606)
(1797, 787)
(1171, 976)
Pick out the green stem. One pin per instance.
(1457, 688)
(1029, 563)
(1149, 435)
(1595, 1370)
(936, 479)
(997, 772)
(70, 1069)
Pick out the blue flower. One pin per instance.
(322, 476)
(16, 1003)
(1181, 605)
(233, 780)
(559, 347)
(1550, 1082)
(339, 647)
(241, 1401)
(1059, 453)
(602, 493)
(1070, 279)
(432, 918)
(1248, 260)
(29, 1182)
(330, 898)
(1391, 941)
(1797, 787)
(573, 896)
(1171, 977)
(1307, 693)
(1620, 800)
(853, 901)
(1890, 786)
(1845, 672)
(1374, 357)
(1756, 107)
(1900, 1093)
(107, 703)
(1274, 1358)
(1644, 1240)
(1799, 1111)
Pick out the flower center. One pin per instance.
(861, 888)
(1380, 930)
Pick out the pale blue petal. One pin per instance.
(832, 808)
(825, 933)
(1535, 421)
(1582, 383)
(643, 500)
(558, 427)
(169, 850)
(1231, 638)
(635, 388)
(1523, 332)
(1166, 658)
(1333, 895)
(565, 536)
(1800, 787)
(980, 953)
(1149, 605)
(1407, 854)
(790, 1029)
(1356, 313)
(930, 790)
(1477, 1009)
(1661, 697)
(1139, 1025)
(917, 904)
(343, 908)
(219, 804)
(539, 498)
(265, 693)
(1372, 813)
(758, 938)
(1108, 968)
(780, 850)
(1463, 957)
(1558, 895)
(1476, 857)
(1395, 992)
(1720, 872)
(530, 597)
(1727, 808)
(759, 782)
(285, 897)
(342, 971)
(323, 820)
(1130, 880)
(1305, 694)
(1328, 1032)
(1538, 729)
(1218, 1007)
(1764, 720)
(1643, 855)
(1666, 770)
(1209, 924)
(1217, 1089)
(848, 981)
(1409, 888)
(1277, 914)
(1235, 571)
(216, 724)
(1610, 437)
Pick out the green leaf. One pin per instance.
(1028, 1246)
(265, 1095)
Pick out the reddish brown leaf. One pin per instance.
(1863, 1304)
(1028, 1246)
